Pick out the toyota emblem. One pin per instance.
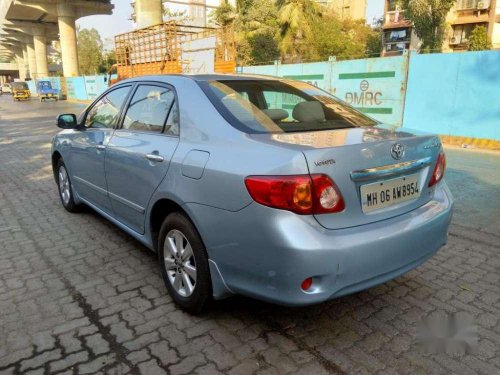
(397, 151)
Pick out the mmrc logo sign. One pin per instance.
(367, 100)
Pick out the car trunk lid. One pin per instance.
(372, 179)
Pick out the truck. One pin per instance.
(171, 48)
(45, 91)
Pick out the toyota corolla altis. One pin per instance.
(265, 187)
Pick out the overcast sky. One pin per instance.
(118, 22)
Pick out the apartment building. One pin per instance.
(354, 9)
(463, 17)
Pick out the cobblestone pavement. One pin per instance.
(78, 295)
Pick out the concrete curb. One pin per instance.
(466, 142)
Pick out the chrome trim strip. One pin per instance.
(91, 185)
(390, 170)
(126, 202)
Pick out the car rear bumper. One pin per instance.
(266, 253)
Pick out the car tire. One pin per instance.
(65, 188)
(186, 273)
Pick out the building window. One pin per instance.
(461, 33)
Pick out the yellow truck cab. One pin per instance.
(20, 90)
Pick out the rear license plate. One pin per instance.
(389, 192)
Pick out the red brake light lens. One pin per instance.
(302, 194)
(438, 173)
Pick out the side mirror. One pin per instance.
(67, 121)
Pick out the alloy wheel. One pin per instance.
(64, 187)
(180, 263)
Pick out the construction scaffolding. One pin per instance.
(171, 48)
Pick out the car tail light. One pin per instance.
(438, 173)
(302, 194)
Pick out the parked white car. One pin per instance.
(6, 88)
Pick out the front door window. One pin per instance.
(104, 113)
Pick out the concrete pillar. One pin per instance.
(148, 12)
(31, 60)
(491, 18)
(21, 65)
(25, 58)
(40, 43)
(67, 36)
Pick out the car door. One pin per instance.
(88, 147)
(139, 152)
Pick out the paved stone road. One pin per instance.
(77, 295)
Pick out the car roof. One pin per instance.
(205, 77)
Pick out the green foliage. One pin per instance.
(478, 39)
(374, 38)
(224, 15)
(344, 39)
(429, 20)
(108, 59)
(257, 32)
(89, 51)
(296, 19)
(299, 30)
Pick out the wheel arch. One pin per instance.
(56, 156)
(159, 211)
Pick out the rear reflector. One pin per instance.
(306, 284)
(302, 194)
(438, 173)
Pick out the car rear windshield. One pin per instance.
(275, 106)
(20, 86)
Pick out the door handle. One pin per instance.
(100, 147)
(154, 157)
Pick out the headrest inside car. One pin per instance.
(276, 114)
(309, 111)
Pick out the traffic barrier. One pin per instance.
(453, 94)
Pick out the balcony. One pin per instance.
(397, 36)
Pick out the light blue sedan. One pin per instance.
(251, 185)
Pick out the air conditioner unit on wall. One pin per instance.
(483, 4)
(453, 41)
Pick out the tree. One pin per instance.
(429, 20)
(295, 18)
(108, 60)
(344, 39)
(374, 38)
(224, 14)
(257, 32)
(478, 39)
(89, 51)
